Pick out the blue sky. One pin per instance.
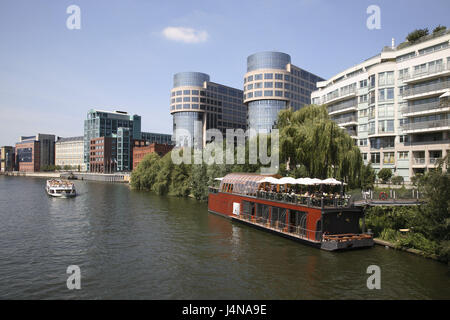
(121, 58)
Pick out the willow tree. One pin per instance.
(310, 139)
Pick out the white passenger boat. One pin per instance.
(60, 188)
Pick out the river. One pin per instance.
(137, 245)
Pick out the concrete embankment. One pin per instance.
(32, 174)
(388, 244)
(116, 177)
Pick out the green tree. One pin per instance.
(439, 28)
(311, 140)
(397, 180)
(417, 34)
(385, 174)
(199, 181)
(144, 176)
(368, 176)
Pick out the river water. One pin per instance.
(137, 245)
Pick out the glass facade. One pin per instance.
(262, 114)
(188, 129)
(290, 86)
(195, 98)
(189, 79)
(106, 124)
(268, 60)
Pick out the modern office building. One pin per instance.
(70, 152)
(101, 123)
(124, 129)
(161, 138)
(7, 158)
(197, 104)
(141, 148)
(103, 155)
(35, 152)
(273, 83)
(396, 105)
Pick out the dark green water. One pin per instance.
(136, 245)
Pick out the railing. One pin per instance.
(426, 124)
(426, 88)
(428, 71)
(213, 190)
(345, 119)
(310, 201)
(283, 227)
(434, 160)
(425, 107)
(336, 95)
(343, 105)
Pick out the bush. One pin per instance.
(385, 174)
(418, 241)
(417, 34)
(439, 28)
(397, 180)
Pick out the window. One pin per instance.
(385, 126)
(381, 95)
(268, 75)
(362, 142)
(278, 76)
(268, 84)
(250, 87)
(403, 73)
(258, 76)
(403, 139)
(250, 78)
(187, 92)
(388, 157)
(364, 156)
(403, 155)
(375, 158)
(258, 85)
(363, 83)
(268, 93)
(279, 85)
(363, 98)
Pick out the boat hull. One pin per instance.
(230, 206)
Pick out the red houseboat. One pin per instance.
(327, 222)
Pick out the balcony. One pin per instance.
(426, 90)
(343, 107)
(427, 126)
(434, 161)
(429, 73)
(345, 121)
(343, 95)
(426, 108)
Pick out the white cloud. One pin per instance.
(186, 35)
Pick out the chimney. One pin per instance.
(393, 43)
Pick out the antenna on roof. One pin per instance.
(393, 43)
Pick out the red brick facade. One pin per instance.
(28, 160)
(102, 155)
(141, 149)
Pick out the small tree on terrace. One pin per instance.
(385, 174)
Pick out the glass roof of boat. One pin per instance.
(243, 183)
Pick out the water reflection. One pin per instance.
(136, 245)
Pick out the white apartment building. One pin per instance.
(70, 152)
(396, 105)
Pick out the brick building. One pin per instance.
(141, 148)
(103, 155)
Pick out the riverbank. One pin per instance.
(391, 245)
(114, 177)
